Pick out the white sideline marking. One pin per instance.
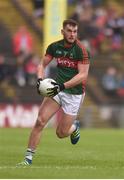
(56, 167)
(48, 167)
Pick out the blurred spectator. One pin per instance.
(120, 90)
(2, 68)
(100, 17)
(99, 23)
(97, 41)
(116, 24)
(71, 2)
(110, 81)
(7, 71)
(20, 76)
(38, 8)
(23, 49)
(22, 42)
(5, 40)
(96, 2)
(31, 69)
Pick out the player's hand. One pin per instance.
(38, 84)
(55, 90)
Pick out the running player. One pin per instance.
(69, 91)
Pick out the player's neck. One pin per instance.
(68, 45)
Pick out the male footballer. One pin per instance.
(69, 91)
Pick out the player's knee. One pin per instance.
(61, 133)
(41, 122)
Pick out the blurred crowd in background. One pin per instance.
(101, 30)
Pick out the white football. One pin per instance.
(44, 85)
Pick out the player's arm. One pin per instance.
(41, 67)
(83, 69)
(80, 77)
(41, 70)
(45, 61)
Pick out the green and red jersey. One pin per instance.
(67, 61)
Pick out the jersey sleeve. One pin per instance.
(83, 54)
(86, 57)
(50, 51)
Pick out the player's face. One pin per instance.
(70, 33)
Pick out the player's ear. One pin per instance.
(62, 32)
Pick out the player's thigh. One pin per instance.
(66, 122)
(47, 109)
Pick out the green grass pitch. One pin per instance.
(99, 154)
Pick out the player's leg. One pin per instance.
(47, 109)
(66, 125)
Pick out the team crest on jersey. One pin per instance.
(65, 54)
(59, 52)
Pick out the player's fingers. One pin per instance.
(52, 89)
(50, 94)
(54, 83)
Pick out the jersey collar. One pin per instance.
(67, 47)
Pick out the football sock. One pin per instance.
(29, 154)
